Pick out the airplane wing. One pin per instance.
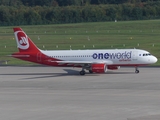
(84, 62)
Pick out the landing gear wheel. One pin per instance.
(137, 71)
(82, 72)
(90, 71)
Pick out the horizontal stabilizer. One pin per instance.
(19, 56)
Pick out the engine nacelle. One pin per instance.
(113, 67)
(99, 68)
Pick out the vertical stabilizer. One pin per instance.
(24, 43)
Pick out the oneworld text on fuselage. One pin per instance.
(119, 55)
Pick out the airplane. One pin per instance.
(95, 61)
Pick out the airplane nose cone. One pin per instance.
(154, 59)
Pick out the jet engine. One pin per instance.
(99, 68)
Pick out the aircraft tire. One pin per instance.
(137, 71)
(82, 72)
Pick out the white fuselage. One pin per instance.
(111, 56)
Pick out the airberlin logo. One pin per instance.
(22, 40)
(121, 56)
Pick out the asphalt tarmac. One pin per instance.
(51, 93)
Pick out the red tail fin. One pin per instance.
(24, 43)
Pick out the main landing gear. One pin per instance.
(82, 72)
(136, 70)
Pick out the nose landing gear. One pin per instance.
(136, 70)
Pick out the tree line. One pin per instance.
(67, 2)
(22, 12)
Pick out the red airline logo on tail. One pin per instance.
(22, 40)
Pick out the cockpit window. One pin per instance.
(146, 54)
